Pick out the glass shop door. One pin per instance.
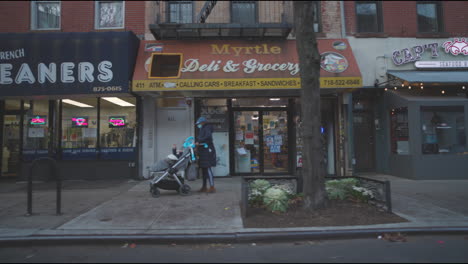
(10, 145)
(260, 144)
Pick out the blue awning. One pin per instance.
(431, 76)
(67, 63)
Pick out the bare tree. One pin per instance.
(309, 63)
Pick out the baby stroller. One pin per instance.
(166, 172)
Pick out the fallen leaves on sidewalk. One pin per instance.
(392, 237)
(133, 245)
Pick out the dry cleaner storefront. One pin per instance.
(249, 91)
(67, 96)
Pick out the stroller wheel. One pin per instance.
(154, 192)
(184, 190)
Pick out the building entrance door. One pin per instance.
(10, 144)
(364, 141)
(260, 143)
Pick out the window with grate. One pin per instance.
(429, 17)
(180, 12)
(45, 15)
(109, 14)
(244, 12)
(369, 16)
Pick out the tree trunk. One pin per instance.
(309, 63)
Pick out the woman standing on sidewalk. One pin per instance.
(206, 153)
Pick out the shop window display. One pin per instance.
(443, 129)
(399, 135)
(118, 128)
(79, 129)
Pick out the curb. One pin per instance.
(239, 237)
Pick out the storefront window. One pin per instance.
(399, 135)
(118, 128)
(79, 128)
(36, 131)
(216, 113)
(443, 129)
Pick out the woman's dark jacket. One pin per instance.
(207, 156)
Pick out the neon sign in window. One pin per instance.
(117, 121)
(80, 121)
(38, 120)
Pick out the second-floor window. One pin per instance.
(109, 14)
(244, 12)
(45, 15)
(180, 12)
(369, 16)
(429, 17)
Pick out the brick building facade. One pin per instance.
(76, 16)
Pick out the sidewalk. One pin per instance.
(125, 210)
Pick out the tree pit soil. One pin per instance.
(335, 213)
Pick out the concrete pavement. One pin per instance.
(125, 210)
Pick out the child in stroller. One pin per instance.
(171, 167)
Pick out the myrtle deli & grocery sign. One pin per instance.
(237, 65)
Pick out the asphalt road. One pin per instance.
(428, 249)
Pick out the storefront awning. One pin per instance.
(449, 77)
(238, 65)
(66, 63)
(425, 97)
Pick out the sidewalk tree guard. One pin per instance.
(309, 63)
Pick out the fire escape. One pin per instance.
(245, 28)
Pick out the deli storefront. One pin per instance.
(250, 92)
(67, 96)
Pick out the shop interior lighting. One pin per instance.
(395, 87)
(75, 103)
(275, 99)
(117, 101)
